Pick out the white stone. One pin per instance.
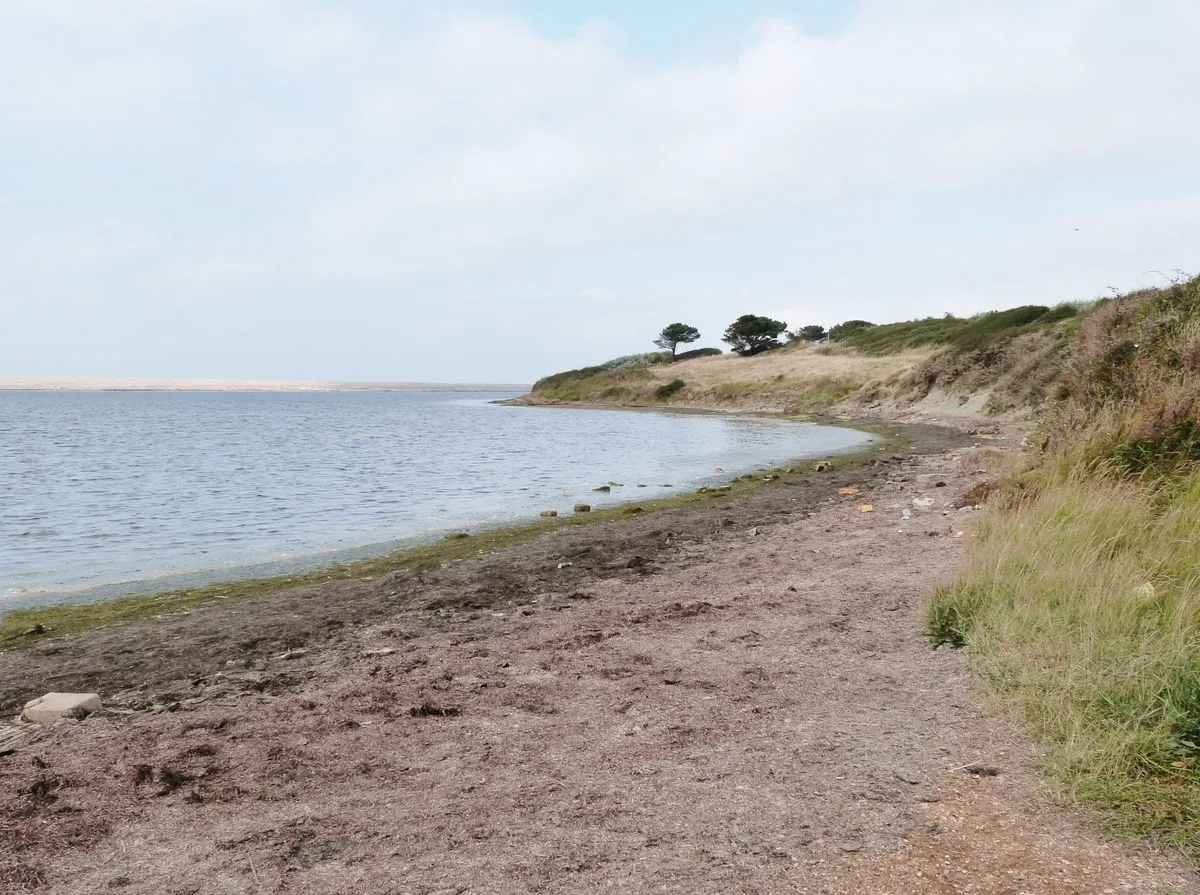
(49, 708)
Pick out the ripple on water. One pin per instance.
(189, 486)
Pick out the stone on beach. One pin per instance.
(549, 513)
(49, 708)
(583, 508)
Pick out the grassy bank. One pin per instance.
(793, 380)
(1013, 359)
(25, 628)
(1080, 603)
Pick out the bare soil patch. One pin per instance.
(728, 699)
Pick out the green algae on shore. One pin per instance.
(28, 627)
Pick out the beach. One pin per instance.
(731, 695)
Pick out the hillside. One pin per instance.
(1079, 600)
(999, 362)
(1079, 603)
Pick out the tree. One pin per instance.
(811, 333)
(675, 335)
(840, 331)
(750, 334)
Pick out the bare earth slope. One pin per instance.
(750, 711)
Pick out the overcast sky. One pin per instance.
(369, 190)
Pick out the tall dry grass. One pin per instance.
(795, 379)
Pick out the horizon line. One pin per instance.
(215, 384)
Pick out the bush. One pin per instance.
(665, 391)
(965, 335)
(699, 352)
(985, 330)
(811, 333)
(1171, 451)
(839, 332)
(1134, 388)
(626, 362)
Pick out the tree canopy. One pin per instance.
(810, 333)
(840, 331)
(676, 334)
(751, 334)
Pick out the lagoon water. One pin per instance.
(104, 493)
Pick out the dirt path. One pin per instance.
(751, 711)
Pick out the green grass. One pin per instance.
(816, 393)
(1080, 603)
(65, 619)
(1082, 606)
(588, 383)
(964, 335)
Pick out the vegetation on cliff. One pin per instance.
(1080, 600)
(1011, 359)
(1080, 603)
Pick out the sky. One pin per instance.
(493, 190)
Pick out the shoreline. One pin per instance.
(587, 704)
(77, 618)
(339, 559)
(81, 611)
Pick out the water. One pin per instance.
(113, 492)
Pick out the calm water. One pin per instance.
(108, 492)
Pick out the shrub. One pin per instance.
(839, 332)
(810, 333)
(665, 391)
(985, 330)
(629, 362)
(699, 352)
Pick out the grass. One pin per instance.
(963, 335)
(1082, 607)
(962, 355)
(589, 382)
(796, 379)
(1080, 603)
(65, 619)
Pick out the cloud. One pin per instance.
(408, 147)
(503, 140)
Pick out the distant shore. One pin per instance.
(85, 384)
